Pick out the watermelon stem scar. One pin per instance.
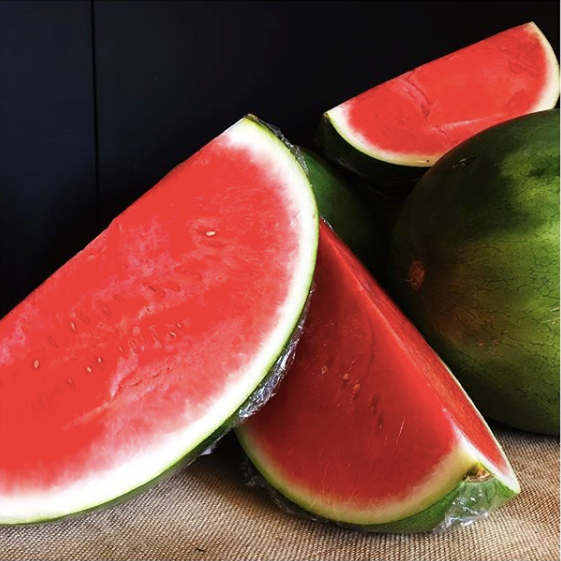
(416, 275)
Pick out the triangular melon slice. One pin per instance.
(139, 351)
(369, 428)
(395, 131)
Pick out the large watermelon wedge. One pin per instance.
(369, 428)
(476, 267)
(393, 132)
(142, 348)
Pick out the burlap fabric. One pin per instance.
(206, 513)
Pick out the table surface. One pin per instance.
(206, 512)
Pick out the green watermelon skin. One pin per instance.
(475, 256)
(344, 210)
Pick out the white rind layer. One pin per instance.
(339, 116)
(550, 94)
(147, 465)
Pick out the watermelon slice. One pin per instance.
(369, 428)
(394, 131)
(142, 348)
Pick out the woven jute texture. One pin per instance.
(206, 513)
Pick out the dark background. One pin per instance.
(99, 99)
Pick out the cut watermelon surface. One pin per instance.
(143, 346)
(415, 118)
(369, 427)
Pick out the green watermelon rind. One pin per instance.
(343, 209)
(501, 261)
(247, 401)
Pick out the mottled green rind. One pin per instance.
(473, 498)
(380, 173)
(484, 222)
(344, 210)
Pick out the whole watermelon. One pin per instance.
(476, 266)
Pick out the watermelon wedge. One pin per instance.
(139, 351)
(369, 428)
(393, 132)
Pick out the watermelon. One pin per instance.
(344, 210)
(393, 132)
(141, 350)
(369, 428)
(476, 266)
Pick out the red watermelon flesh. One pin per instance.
(151, 338)
(415, 118)
(369, 426)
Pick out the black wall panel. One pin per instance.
(100, 99)
(47, 141)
